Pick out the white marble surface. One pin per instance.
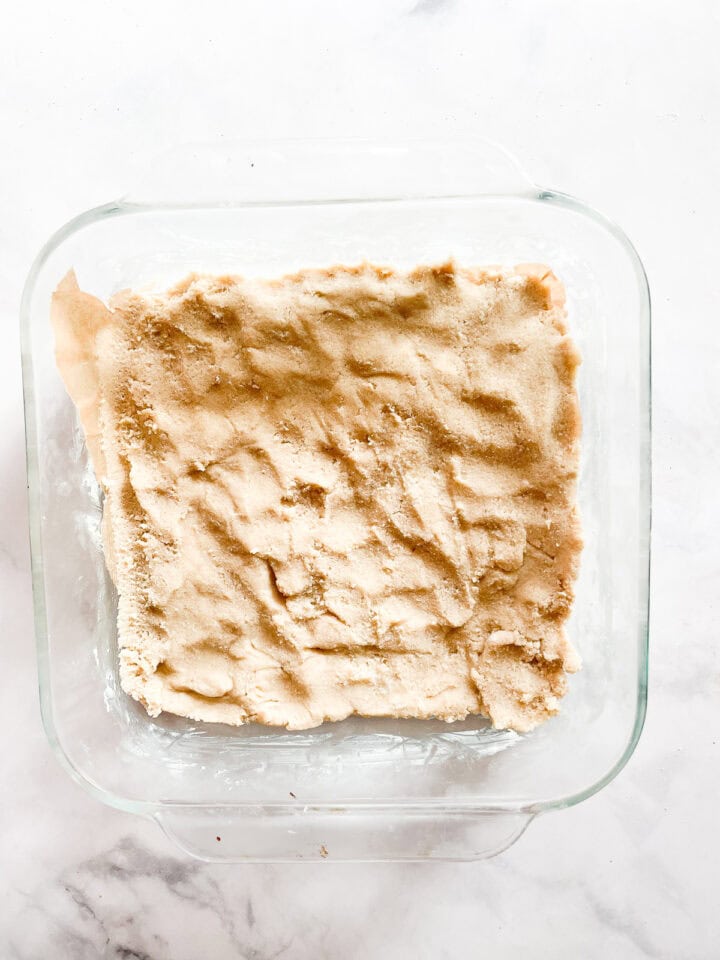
(616, 102)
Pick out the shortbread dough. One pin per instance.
(345, 491)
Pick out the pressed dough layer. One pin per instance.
(346, 491)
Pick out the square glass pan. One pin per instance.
(361, 789)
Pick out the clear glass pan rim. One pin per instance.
(487, 805)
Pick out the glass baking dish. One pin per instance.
(360, 789)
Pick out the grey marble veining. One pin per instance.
(618, 103)
(93, 908)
